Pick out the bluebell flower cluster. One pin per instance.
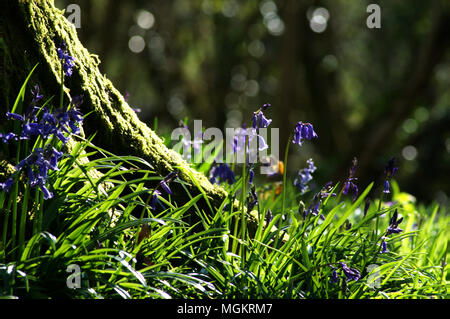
(389, 172)
(37, 166)
(68, 62)
(259, 120)
(58, 123)
(220, 173)
(303, 131)
(391, 229)
(349, 185)
(40, 122)
(349, 273)
(313, 208)
(305, 176)
(393, 224)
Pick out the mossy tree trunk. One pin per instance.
(31, 31)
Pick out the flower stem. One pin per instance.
(286, 152)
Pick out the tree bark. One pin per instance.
(31, 31)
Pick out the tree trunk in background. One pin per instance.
(418, 76)
(31, 31)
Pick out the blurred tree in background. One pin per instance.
(370, 93)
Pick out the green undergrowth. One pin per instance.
(103, 221)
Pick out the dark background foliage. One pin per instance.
(370, 93)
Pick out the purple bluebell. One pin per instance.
(221, 172)
(304, 176)
(366, 205)
(45, 191)
(15, 116)
(384, 248)
(393, 224)
(253, 201)
(350, 273)
(386, 187)
(348, 225)
(326, 191)
(334, 276)
(66, 60)
(165, 187)
(36, 94)
(6, 138)
(390, 168)
(37, 165)
(155, 195)
(314, 208)
(389, 172)
(265, 106)
(6, 186)
(242, 141)
(349, 185)
(251, 176)
(259, 120)
(164, 183)
(303, 131)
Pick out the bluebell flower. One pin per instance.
(393, 224)
(35, 93)
(265, 106)
(165, 187)
(349, 185)
(334, 276)
(251, 176)
(155, 195)
(313, 208)
(390, 168)
(37, 166)
(164, 183)
(246, 135)
(303, 131)
(366, 205)
(389, 172)
(45, 191)
(15, 116)
(6, 186)
(384, 246)
(254, 199)
(304, 176)
(350, 273)
(386, 187)
(6, 138)
(66, 60)
(348, 225)
(221, 172)
(259, 120)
